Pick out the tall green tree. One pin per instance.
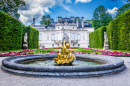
(76, 20)
(46, 20)
(123, 9)
(11, 7)
(105, 19)
(89, 21)
(100, 17)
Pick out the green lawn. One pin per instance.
(11, 50)
(120, 50)
(87, 51)
(40, 51)
(51, 49)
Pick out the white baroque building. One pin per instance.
(76, 32)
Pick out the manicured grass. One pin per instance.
(120, 50)
(97, 48)
(11, 50)
(56, 50)
(81, 49)
(87, 51)
(44, 50)
(51, 49)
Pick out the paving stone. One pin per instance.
(119, 79)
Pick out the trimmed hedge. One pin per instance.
(33, 37)
(118, 32)
(96, 38)
(12, 33)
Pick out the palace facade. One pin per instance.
(53, 34)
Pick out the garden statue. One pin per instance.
(65, 56)
(25, 37)
(25, 44)
(106, 46)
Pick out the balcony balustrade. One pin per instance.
(57, 41)
(74, 41)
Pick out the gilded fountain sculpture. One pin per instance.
(65, 56)
(19, 64)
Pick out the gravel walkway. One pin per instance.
(120, 79)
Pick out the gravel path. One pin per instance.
(120, 79)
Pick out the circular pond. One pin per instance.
(52, 63)
(43, 65)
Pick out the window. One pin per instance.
(58, 45)
(47, 37)
(73, 36)
(78, 45)
(58, 36)
(40, 36)
(73, 45)
(83, 37)
(53, 37)
(52, 45)
(78, 36)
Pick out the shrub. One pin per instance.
(96, 38)
(33, 37)
(118, 32)
(10, 33)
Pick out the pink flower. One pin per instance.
(96, 53)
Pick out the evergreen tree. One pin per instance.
(76, 20)
(105, 18)
(46, 20)
(123, 9)
(100, 17)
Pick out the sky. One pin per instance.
(65, 8)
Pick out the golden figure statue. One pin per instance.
(65, 56)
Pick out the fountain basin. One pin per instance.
(111, 65)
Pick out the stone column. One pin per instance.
(34, 21)
(82, 21)
(77, 21)
(72, 18)
(59, 18)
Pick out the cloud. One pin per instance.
(68, 1)
(66, 7)
(124, 1)
(112, 11)
(83, 1)
(35, 9)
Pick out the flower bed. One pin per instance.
(111, 53)
(103, 52)
(23, 52)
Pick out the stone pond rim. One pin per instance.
(112, 65)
